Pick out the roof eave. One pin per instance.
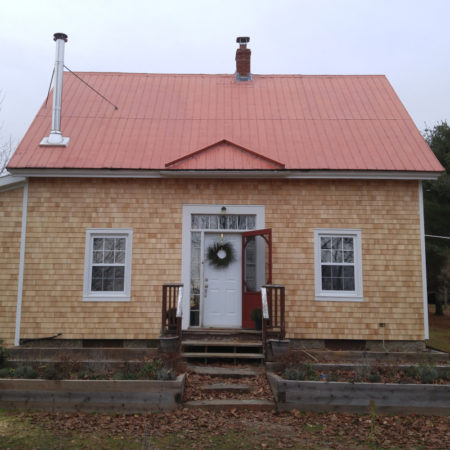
(8, 182)
(224, 173)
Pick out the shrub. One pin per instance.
(149, 369)
(427, 374)
(51, 373)
(25, 372)
(305, 372)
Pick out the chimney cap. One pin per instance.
(242, 39)
(57, 36)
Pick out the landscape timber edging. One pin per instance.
(431, 399)
(127, 396)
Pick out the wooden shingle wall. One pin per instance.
(387, 212)
(10, 231)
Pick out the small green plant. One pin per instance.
(427, 374)
(291, 373)
(7, 372)
(51, 373)
(25, 372)
(411, 372)
(305, 372)
(165, 374)
(88, 374)
(149, 369)
(374, 377)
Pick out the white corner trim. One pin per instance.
(125, 296)
(21, 265)
(424, 264)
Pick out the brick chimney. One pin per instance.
(243, 60)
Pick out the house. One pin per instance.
(223, 183)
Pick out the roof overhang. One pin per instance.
(280, 174)
(8, 182)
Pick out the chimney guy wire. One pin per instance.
(49, 87)
(95, 90)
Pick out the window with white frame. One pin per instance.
(338, 264)
(107, 274)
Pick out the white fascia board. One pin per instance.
(284, 174)
(8, 182)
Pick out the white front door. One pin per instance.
(222, 289)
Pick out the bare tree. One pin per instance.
(7, 146)
(6, 151)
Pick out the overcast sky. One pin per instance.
(408, 40)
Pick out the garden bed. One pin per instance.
(360, 397)
(92, 395)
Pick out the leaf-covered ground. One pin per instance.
(259, 385)
(203, 429)
(439, 330)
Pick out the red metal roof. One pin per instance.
(215, 122)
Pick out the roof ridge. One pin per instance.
(274, 75)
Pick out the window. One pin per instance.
(107, 273)
(338, 266)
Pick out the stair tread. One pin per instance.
(231, 403)
(234, 387)
(219, 343)
(215, 371)
(222, 355)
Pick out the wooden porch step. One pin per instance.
(222, 355)
(220, 343)
(253, 404)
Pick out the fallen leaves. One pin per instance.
(267, 429)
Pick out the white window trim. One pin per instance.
(342, 296)
(90, 296)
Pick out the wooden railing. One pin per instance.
(273, 312)
(171, 309)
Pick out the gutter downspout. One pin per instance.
(21, 264)
(424, 264)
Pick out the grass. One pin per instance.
(17, 432)
(439, 330)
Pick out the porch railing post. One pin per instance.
(276, 321)
(164, 310)
(171, 309)
(282, 313)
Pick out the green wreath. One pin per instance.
(220, 255)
